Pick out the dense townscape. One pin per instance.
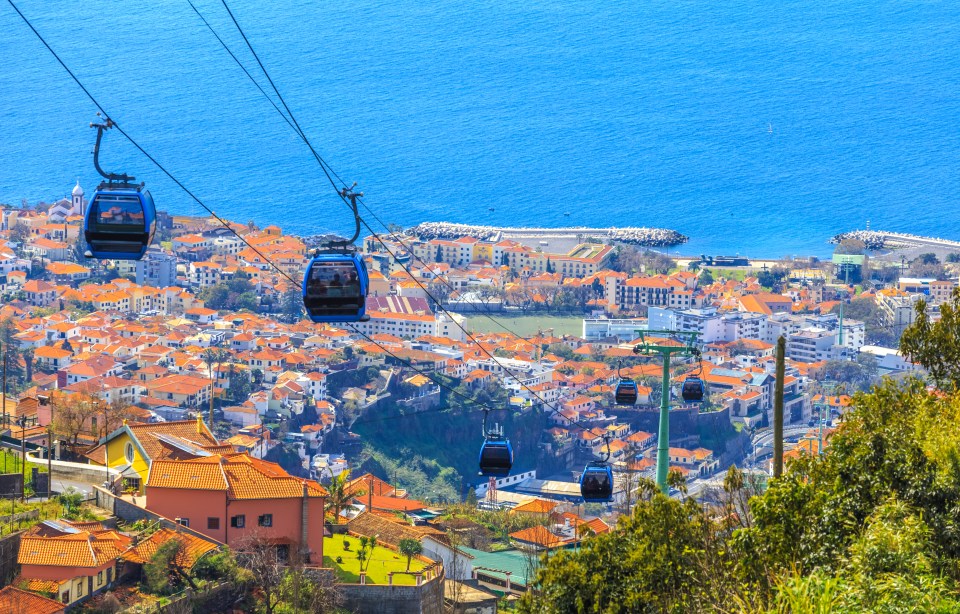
(183, 409)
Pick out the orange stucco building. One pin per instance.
(231, 497)
(70, 561)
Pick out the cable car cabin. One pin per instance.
(692, 389)
(335, 288)
(626, 392)
(596, 483)
(119, 223)
(496, 457)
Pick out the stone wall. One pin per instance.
(9, 547)
(382, 599)
(76, 472)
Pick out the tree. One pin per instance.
(652, 563)
(240, 385)
(164, 572)
(936, 345)
(28, 359)
(866, 310)
(851, 247)
(706, 277)
(338, 498)
(292, 303)
(10, 346)
(410, 548)
(317, 593)
(261, 558)
(19, 234)
(365, 553)
(73, 415)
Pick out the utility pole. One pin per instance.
(665, 351)
(4, 394)
(23, 456)
(778, 408)
(49, 460)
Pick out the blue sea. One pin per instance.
(759, 128)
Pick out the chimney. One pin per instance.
(370, 493)
(199, 424)
(304, 517)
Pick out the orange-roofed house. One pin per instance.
(184, 390)
(17, 601)
(63, 560)
(537, 507)
(66, 272)
(52, 358)
(537, 539)
(234, 497)
(40, 293)
(133, 448)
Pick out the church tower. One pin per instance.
(78, 202)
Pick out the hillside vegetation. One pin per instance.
(433, 454)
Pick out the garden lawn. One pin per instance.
(383, 562)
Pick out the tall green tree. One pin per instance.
(338, 497)
(936, 344)
(410, 548)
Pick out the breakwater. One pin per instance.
(880, 239)
(646, 237)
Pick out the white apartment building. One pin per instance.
(602, 328)
(413, 325)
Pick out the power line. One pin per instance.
(324, 166)
(327, 169)
(194, 197)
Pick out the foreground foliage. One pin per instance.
(871, 525)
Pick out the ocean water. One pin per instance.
(753, 127)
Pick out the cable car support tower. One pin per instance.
(665, 351)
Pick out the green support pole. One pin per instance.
(778, 408)
(665, 351)
(663, 437)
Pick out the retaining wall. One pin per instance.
(9, 548)
(383, 599)
(77, 472)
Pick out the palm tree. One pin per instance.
(410, 548)
(338, 498)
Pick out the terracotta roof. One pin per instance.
(16, 600)
(537, 506)
(387, 528)
(152, 436)
(242, 476)
(539, 536)
(81, 549)
(205, 474)
(194, 548)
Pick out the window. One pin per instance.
(65, 597)
(128, 452)
(213, 524)
(238, 522)
(266, 520)
(99, 578)
(183, 522)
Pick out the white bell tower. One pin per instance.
(78, 202)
